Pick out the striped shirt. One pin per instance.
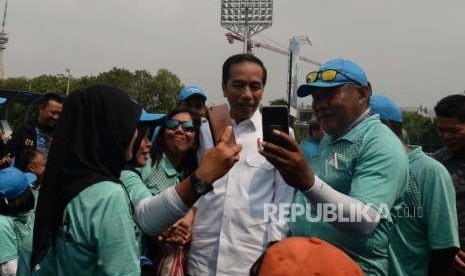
(161, 176)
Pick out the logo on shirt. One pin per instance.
(334, 161)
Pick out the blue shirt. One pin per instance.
(310, 148)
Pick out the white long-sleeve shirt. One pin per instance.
(229, 231)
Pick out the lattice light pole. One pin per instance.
(246, 18)
(3, 41)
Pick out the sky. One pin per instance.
(412, 51)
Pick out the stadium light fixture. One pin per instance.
(246, 18)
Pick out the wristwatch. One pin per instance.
(200, 187)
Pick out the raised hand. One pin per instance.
(217, 161)
(289, 160)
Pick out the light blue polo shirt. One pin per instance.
(310, 148)
(368, 163)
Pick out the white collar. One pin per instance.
(254, 121)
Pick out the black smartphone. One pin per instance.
(274, 117)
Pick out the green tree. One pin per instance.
(300, 135)
(21, 83)
(119, 77)
(165, 87)
(50, 83)
(156, 93)
(421, 131)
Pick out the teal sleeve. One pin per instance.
(146, 171)
(137, 190)
(114, 236)
(381, 172)
(8, 242)
(439, 209)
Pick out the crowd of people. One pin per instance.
(95, 185)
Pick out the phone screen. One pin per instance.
(274, 118)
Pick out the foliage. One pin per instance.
(300, 135)
(15, 83)
(156, 92)
(421, 131)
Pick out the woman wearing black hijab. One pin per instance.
(83, 210)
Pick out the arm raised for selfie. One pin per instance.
(157, 213)
(291, 163)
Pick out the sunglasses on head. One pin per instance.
(187, 126)
(327, 75)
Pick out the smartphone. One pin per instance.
(275, 117)
(218, 119)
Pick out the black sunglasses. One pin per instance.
(187, 126)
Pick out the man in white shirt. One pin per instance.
(229, 231)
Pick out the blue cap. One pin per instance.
(156, 132)
(2, 100)
(14, 182)
(386, 108)
(150, 117)
(190, 91)
(350, 73)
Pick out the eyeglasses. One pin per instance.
(327, 75)
(187, 126)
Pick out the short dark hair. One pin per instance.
(49, 97)
(395, 127)
(21, 204)
(25, 158)
(158, 148)
(240, 58)
(452, 106)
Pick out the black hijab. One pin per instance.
(89, 144)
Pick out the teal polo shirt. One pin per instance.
(161, 176)
(428, 218)
(97, 234)
(16, 237)
(16, 240)
(136, 189)
(368, 163)
(8, 240)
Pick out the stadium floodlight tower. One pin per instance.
(246, 18)
(3, 41)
